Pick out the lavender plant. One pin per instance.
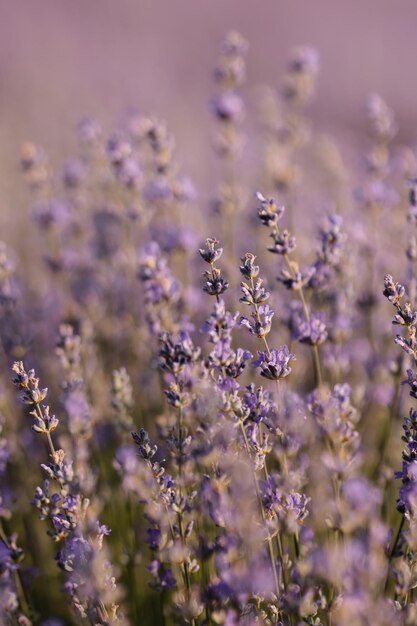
(240, 438)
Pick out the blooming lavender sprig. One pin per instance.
(312, 332)
(259, 404)
(28, 384)
(381, 118)
(408, 475)
(329, 254)
(405, 319)
(228, 364)
(122, 398)
(220, 324)
(406, 500)
(254, 293)
(162, 574)
(300, 79)
(411, 249)
(283, 243)
(34, 164)
(166, 504)
(124, 163)
(275, 364)
(163, 295)
(405, 316)
(261, 323)
(81, 552)
(223, 361)
(8, 287)
(227, 105)
(13, 600)
(162, 291)
(269, 213)
(337, 418)
(177, 356)
(289, 508)
(175, 353)
(294, 279)
(403, 543)
(74, 397)
(216, 284)
(331, 240)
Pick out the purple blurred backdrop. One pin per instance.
(62, 59)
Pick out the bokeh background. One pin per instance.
(63, 59)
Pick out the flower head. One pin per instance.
(275, 364)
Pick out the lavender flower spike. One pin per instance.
(275, 364)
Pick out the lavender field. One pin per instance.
(208, 382)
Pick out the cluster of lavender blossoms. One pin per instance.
(227, 446)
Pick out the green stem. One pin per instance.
(296, 545)
(180, 520)
(397, 537)
(48, 436)
(278, 536)
(393, 547)
(261, 506)
(17, 577)
(316, 358)
(388, 423)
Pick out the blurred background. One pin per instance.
(62, 60)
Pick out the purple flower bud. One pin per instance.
(228, 106)
(268, 213)
(261, 322)
(210, 253)
(248, 268)
(312, 332)
(393, 291)
(275, 365)
(284, 243)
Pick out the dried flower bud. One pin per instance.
(248, 267)
(210, 253)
